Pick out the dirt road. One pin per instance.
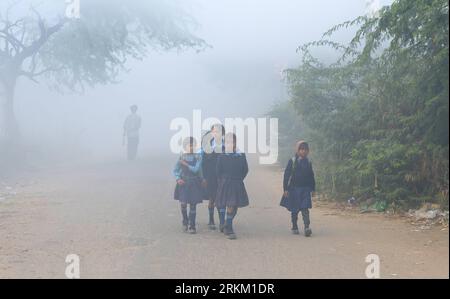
(120, 219)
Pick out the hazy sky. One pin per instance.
(252, 40)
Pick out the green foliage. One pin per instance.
(378, 117)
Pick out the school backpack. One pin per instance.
(284, 199)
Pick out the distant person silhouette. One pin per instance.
(131, 132)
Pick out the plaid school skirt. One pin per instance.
(231, 193)
(299, 199)
(192, 192)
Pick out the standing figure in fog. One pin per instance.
(131, 129)
(232, 168)
(189, 189)
(210, 157)
(299, 185)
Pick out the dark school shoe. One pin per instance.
(222, 228)
(232, 236)
(295, 231)
(227, 231)
(308, 232)
(212, 226)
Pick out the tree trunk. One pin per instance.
(9, 130)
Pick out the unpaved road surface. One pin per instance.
(122, 222)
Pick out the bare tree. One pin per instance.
(74, 53)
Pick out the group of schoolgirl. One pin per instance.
(216, 173)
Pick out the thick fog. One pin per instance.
(238, 76)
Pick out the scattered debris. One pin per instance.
(352, 201)
(429, 215)
(420, 214)
(6, 191)
(374, 206)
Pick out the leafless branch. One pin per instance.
(33, 75)
(15, 47)
(45, 34)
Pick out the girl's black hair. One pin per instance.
(219, 126)
(234, 139)
(232, 134)
(303, 145)
(205, 135)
